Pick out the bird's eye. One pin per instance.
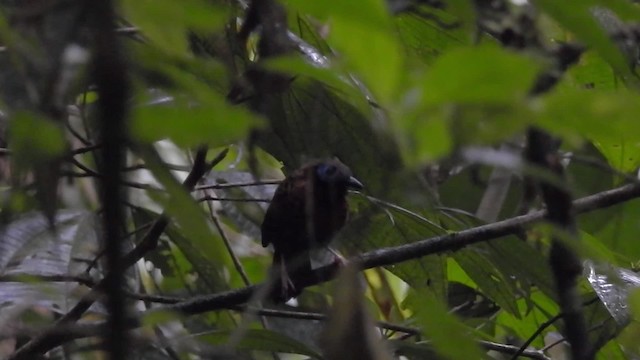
(325, 171)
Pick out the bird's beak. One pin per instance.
(353, 183)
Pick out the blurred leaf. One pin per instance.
(34, 139)
(608, 118)
(424, 38)
(377, 60)
(350, 333)
(166, 23)
(449, 337)
(592, 72)
(263, 340)
(575, 15)
(624, 9)
(194, 235)
(30, 248)
(478, 75)
(413, 350)
(214, 123)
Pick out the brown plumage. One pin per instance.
(307, 210)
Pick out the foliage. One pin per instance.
(426, 101)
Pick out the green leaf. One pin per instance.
(391, 228)
(425, 39)
(576, 16)
(193, 234)
(620, 234)
(449, 336)
(312, 120)
(497, 286)
(371, 13)
(376, 61)
(624, 9)
(214, 123)
(535, 311)
(34, 139)
(478, 75)
(264, 340)
(166, 23)
(607, 118)
(592, 72)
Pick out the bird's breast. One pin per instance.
(328, 220)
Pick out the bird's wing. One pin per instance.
(285, 215)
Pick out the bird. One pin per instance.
(308, 209)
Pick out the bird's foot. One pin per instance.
(339, 261)
(288, 288)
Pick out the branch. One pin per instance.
(435, 245)
(109, 73)
(566, 265)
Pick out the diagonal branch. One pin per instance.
(434, 245)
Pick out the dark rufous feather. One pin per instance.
(307, 210)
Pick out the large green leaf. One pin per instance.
(608, 118)
(377, 60)
(312, 121)
(373, 230)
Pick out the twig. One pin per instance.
(25, 278)
(510, 349)
(86, 149)
(542, 327)
(242, 184)
(214, 198)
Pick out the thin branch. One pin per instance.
(214, 198)
(510, 349)
(26, 278)
(86, 149)
(542, 327)
(241, 184)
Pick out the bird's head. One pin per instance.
(334, 175)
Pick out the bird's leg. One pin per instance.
(339, 260)
(287, 285)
